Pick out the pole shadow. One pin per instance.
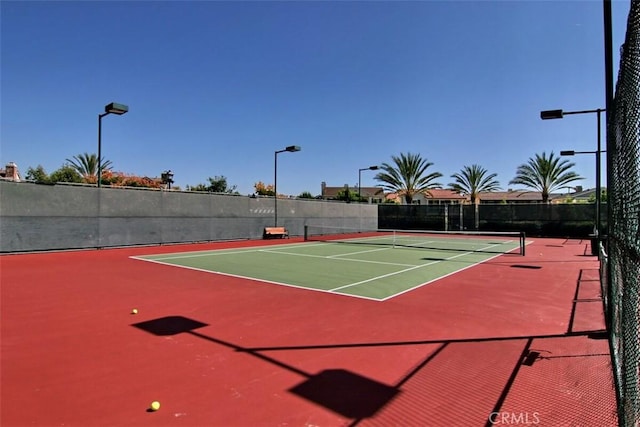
(341, 391)
(347, 393)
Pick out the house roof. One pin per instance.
(438, 194)
(10, 173)
(364, 191)
(514, 195)
(578, 195)
(450, 195)
(444, 194)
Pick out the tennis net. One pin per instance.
(460, 241)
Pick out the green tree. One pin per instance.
(87, 164)
(217, 184)
(38, 175)
(545, 174)
(347, 195)
(66, 173)
(199, 187)
(473, 180)
(305, 195)
(603, 196)
(408, 176)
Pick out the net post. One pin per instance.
(306, 232)
(523, 244)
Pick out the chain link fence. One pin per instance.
(535, 219)
(622, 259)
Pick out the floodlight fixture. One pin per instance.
(115, 108)
(551, 114)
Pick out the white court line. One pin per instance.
(461, 243)
(217, 252)
(359, 252)
(333, 257)
(332, 291)
(414, 268)
(440, 277)
(256, 279)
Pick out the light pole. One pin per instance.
(559, 114)
(112, 108)
(291, 149)
(370, 168)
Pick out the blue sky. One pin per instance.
(215, 88)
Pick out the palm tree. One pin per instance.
(545, 174)
(87, 164)
(473, 180)
(407, 176)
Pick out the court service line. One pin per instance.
(442, 277)
(358, 252)
(331, 291)
(412, 268)
(339, 259)
(239, 276)
(214, 252)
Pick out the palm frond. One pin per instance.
(407, 176)
(545, 174)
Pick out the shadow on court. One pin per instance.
(481, 373)
(346, 393)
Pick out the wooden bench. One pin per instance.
(273, 232)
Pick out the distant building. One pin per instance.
(510, 196)
(451, 197)
(439, 196)
(443, 196)
(577, 196)
(375, 194)
(10, 172)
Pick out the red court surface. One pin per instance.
(514, 341)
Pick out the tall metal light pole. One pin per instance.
(291, 149)
(370, 168)
(559, 114)
(112, 108)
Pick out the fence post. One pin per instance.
(476, 211)
(446, 217)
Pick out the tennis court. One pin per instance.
(498, 338)
(377, 264)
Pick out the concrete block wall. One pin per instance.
(35, 217)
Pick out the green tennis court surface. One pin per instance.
(375, 267)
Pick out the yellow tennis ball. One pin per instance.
(134, 311)
(155, 405)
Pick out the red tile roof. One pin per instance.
(444, 194)
(530, 196)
